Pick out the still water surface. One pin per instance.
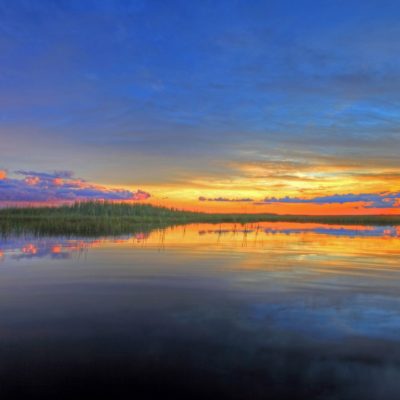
(269, 310)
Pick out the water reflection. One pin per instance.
(235, 235)
(268, 310)
(27, 247)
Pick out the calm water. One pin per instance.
(270, 310)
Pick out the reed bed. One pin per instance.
(99, 218)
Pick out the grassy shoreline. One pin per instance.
(95, 218)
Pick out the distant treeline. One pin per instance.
(97, 218)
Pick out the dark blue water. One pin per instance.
(264, 312)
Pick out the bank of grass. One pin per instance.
(99, 218)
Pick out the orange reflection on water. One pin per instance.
(270, 238)
(291, 242)
(57, 249)
(29, 249)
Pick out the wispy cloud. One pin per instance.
(59, 186)
(224, 199)
(371, 200)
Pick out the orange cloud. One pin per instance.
(3, 174)
(32, 180)
(57, 181)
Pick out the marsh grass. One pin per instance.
(100, 218)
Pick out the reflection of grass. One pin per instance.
(85, 226)
(95, 218)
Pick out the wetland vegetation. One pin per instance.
(98, 218)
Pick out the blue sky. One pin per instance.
(178, 93)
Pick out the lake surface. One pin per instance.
(262, 311)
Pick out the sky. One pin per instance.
(252, 106)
